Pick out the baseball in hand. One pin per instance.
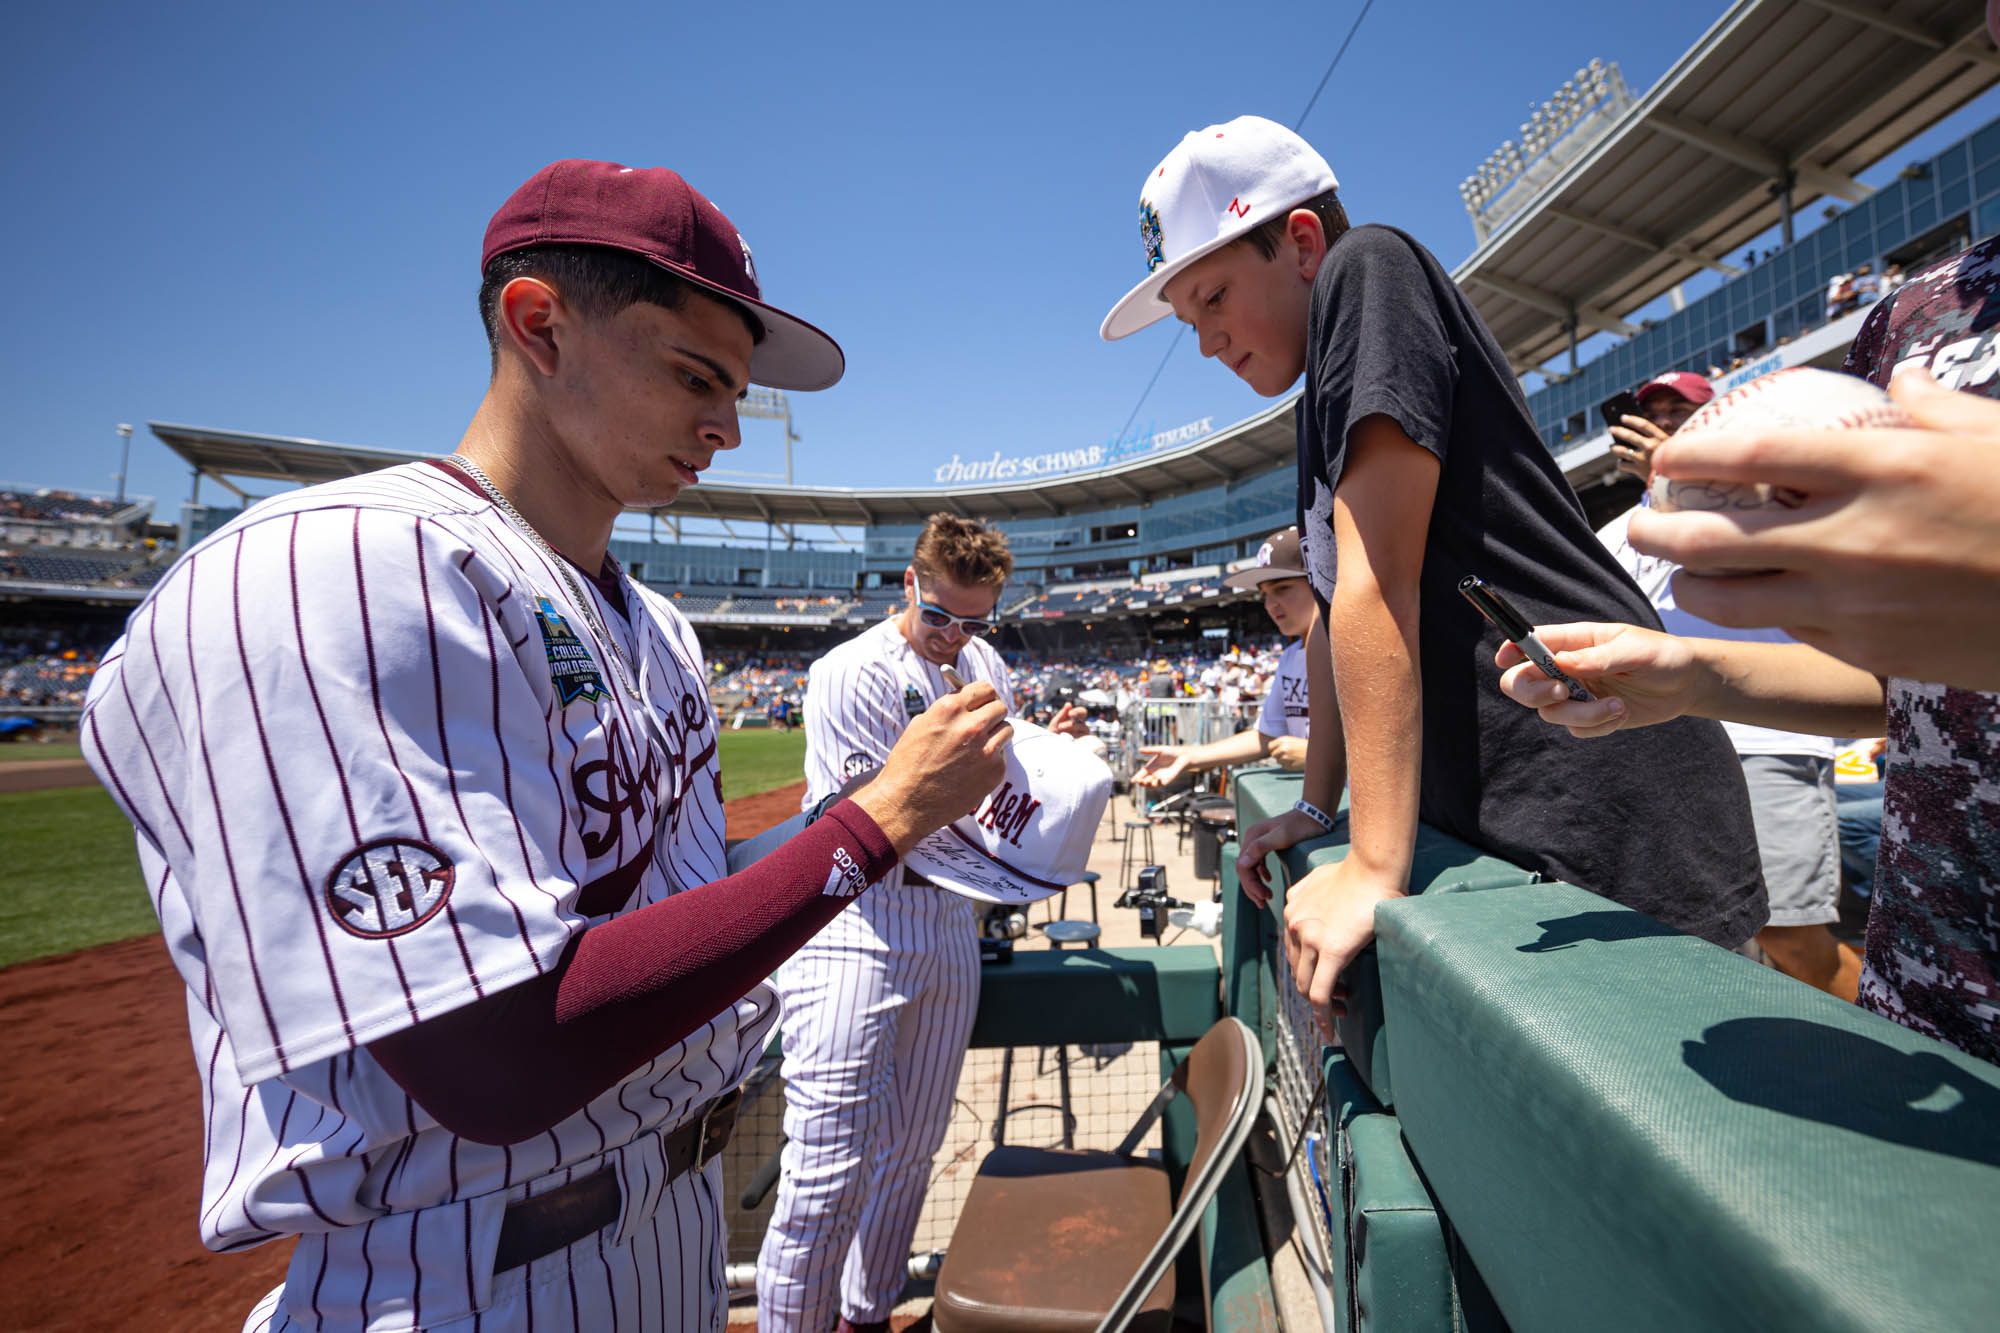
(1797, 399)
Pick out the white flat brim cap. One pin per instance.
(1031, 836)
(1214, 186)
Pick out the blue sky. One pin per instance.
(267, 217)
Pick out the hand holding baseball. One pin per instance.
(943, 765)
(1888, 559)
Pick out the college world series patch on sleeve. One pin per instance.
(571, 666)
(388, 887)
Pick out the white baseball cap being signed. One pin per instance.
(1031, 836)
(1215, 185)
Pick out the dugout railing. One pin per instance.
(1549, 1112)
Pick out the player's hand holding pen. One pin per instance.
(946, 762)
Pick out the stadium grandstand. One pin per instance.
(72, 566)
(1588, 231)
(1610, 205)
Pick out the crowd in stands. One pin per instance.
(1848, 292)
(69, 542)
(48, 664)
(1022, 601)
(57, 506)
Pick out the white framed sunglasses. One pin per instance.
(938, 618)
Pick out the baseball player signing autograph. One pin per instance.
(879, 1006)
(427, 800)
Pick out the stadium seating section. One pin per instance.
(58, 506)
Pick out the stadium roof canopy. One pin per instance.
(1247, 449)
(1812, 91)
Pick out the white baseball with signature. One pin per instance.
(1800, 398)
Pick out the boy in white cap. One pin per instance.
(1419, 464)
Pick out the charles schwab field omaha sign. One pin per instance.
(1115, 450)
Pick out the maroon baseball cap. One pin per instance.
(653, 213)
(1685, 384)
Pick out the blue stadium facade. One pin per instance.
(1932, 208)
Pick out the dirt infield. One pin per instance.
(101, 1117)
(42, 774)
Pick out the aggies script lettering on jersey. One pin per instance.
(381, 767)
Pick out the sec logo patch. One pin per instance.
(388, 887)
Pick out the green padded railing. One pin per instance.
(1626, 1127)
(1441, 864)
(1047, 997)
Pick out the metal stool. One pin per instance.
(1134, 854)
(1072, 932)
(1089, 879)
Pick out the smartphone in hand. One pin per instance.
(1617, 406)
(1500, 613)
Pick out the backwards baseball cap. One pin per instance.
(1031, 836)
(651, 212)
(1683, 383)
(1278, 558)
(1215, 186)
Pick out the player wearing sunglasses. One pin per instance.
(878, 1006)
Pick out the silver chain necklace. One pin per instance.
(589, 608)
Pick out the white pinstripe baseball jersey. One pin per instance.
(878, 1008)
(380, 767)
(861, 695)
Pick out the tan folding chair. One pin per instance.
(1064, 1240)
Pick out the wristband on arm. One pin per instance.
(1315, 814)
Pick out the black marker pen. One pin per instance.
(1487, 600)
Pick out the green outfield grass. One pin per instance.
(71, 877)
(754, 761)
(19, 751)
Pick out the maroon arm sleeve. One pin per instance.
(519, 1062)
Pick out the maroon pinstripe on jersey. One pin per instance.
(363, 800)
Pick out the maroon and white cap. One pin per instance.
(651, 212)
(1684, 384)
(1278, 558)
(1031, 836)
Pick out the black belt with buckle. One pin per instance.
(912, 880)
(535, 1228)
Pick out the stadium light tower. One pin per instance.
(772, 403)
(1556, 133)
(124, 457)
